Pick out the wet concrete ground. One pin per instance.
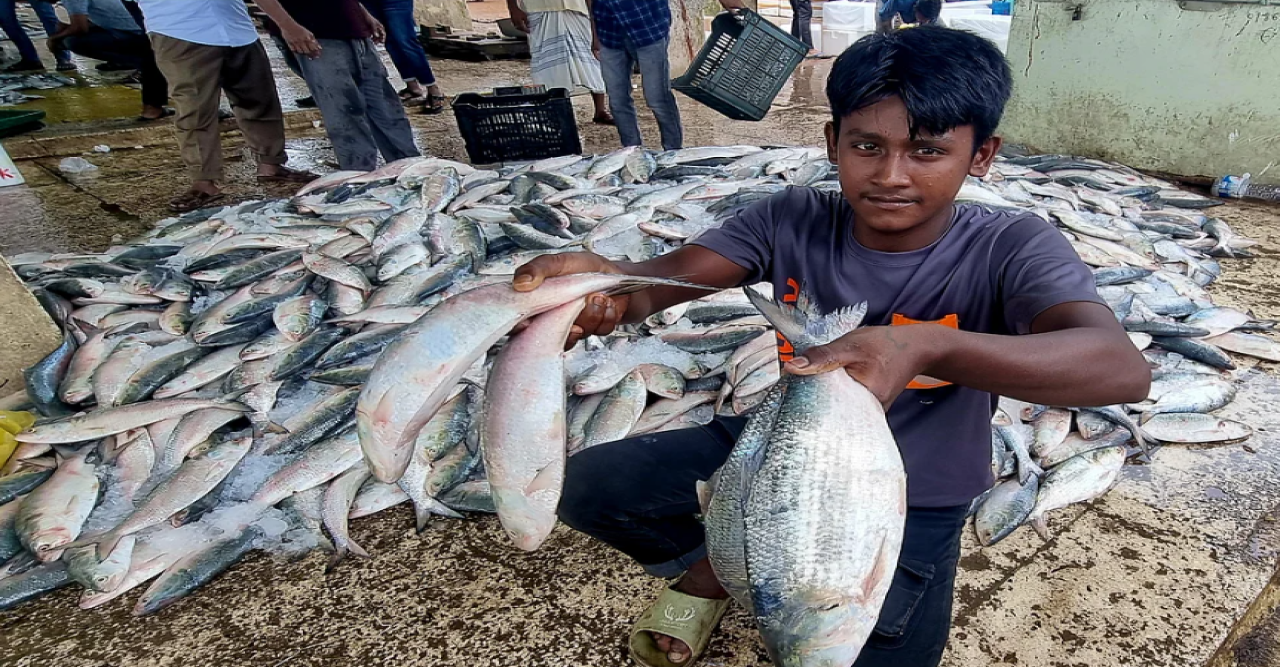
(1155, 573)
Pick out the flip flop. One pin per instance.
(604, 119)
(435, 104)
(192, 200)
(674, 614)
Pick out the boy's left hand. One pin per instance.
(884, 359)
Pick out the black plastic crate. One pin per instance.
(742, 66)
(501, 128)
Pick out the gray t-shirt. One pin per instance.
(992, 272)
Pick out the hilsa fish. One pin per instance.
(823, 456)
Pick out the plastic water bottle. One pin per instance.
(1238, 187)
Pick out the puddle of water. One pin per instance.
(81, 103)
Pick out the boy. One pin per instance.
(998, 303)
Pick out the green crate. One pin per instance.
(742, 66)
(13, 122)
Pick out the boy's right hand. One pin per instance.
(602, 313)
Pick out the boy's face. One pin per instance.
(897, 184)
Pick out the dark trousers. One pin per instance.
(403, 44)
(362, 113)
(801, 18)
(132, 49)
(648, 512)
(18, 35)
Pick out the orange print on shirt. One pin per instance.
(786, 352)
(924, 381)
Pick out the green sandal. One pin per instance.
(674, 614)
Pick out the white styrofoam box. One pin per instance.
(834, 42)
(816, 29)
(844, 15)
(992, 27)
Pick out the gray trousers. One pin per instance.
(362, 113)
(655, 80)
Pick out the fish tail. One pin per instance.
(1041, 527)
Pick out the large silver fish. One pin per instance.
(822, 502)
(416, 374)
(524, 431)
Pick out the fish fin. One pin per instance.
(440, 509)
(1041, 527)
(421, 515)
(339, 553)
(706, 490)
(802, 324)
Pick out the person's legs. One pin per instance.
(615, 67)
(132, 49)
(333, 80)
(383, 110)
(403, 44)
(649, 513)
(193, 71)
(655, 79)
(17, 34)
(915, 620)
(251, 88)
(49, 19)
(801, 21)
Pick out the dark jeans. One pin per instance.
(649, 512)
(13, 28)
(402, 39)
(129, 48)
(362, 113)
(801, 18)
(616, 66)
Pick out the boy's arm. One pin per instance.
(602, 313)
(1077, 354)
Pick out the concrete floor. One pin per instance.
(1156, 573)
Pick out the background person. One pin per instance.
(29, 58)
(106, 30)
(560, 48)
(205, 47)
(919, 12)
(631, 33)
(334, 42)
(407, 54)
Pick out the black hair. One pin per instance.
(929, 10)
(946, 78)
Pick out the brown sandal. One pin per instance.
(192, 200)
(287, 175)
(434, 105)
(605, 118)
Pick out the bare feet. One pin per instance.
(700, 581)
(201, 194)
(602, 117)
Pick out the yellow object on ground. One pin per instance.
(7, 445)
(16, 422)
(11, 424)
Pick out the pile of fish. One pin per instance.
(11, 86)
(254, 376)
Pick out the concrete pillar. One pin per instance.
(689, 30)
(449, 13)
(29, 335)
